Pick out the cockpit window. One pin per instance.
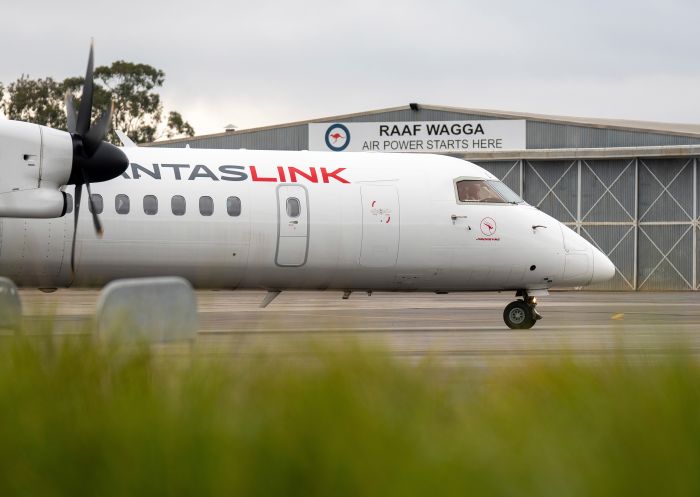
(469, 190)
(488, 191)
(505, 192)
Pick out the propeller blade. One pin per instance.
(95, 218)
(76, 212)
(94, 159)
(85, 112)
(97, 133)
(70, 113)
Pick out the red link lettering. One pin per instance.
(254, 176)
(333, 174)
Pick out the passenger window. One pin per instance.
(121, 204)
(206, 206)
(150, 205)
(178, 205)
(477, 191)
(99, 204)
(69, 203)
(293, 207)
(233, 206)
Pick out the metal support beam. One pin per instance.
(521, 178)
(578, 198)
(695, 223)
(635, 278)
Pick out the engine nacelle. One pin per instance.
(34, 162)
(38, 203)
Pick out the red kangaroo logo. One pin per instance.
(336, 136)
(488, 226)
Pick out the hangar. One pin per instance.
(630, 187)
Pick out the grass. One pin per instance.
(77, 418)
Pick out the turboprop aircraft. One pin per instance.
(272, 220)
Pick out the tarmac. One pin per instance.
(462, 328)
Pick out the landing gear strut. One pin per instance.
(521, 314)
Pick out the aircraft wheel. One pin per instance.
(519, 315)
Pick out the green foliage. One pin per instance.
(138, 110)
(80, 419)
(37, 101)
(178, 126)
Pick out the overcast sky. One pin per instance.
(258, 62)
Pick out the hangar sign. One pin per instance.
(418, 136)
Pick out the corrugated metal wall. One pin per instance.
(543, 135)
(283, 138)
(641, 212)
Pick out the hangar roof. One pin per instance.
(680, 129)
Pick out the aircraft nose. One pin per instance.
(603, 268)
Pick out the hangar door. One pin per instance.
(641, 212)
(380, 226)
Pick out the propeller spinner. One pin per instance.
(94, 160)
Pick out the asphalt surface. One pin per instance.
(456, 327)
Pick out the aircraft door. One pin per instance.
(380, 226)
(293, 225)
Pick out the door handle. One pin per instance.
(454, 218)
(293, 222)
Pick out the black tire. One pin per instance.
(519, 316)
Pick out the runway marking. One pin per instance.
(618, 317)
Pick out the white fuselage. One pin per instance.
(366, 222)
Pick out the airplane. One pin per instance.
(274, 220)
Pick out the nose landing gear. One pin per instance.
(522, 314)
